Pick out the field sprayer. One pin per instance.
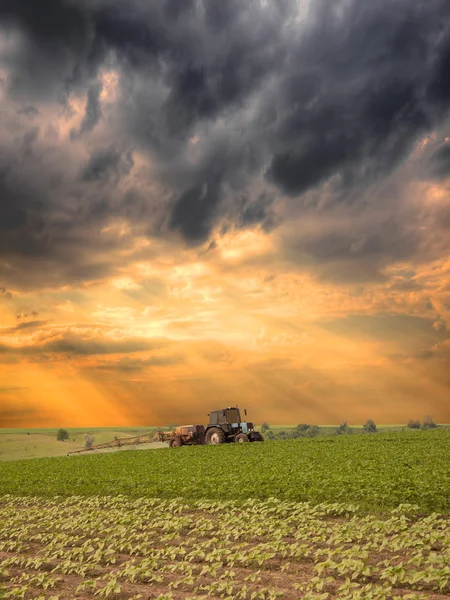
(224, 425)
(181, 436)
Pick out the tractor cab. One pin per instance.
(225, 425)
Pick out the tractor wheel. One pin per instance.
(175, 442)
(241, 438)
(215, 435)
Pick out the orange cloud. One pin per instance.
(287, 346)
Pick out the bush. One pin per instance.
(269, 435)
(303, 427)
(369, 426)
(312, 431)
(414, 424)
(305, 430)
(265, 427)
(62, 435)
(88, 440)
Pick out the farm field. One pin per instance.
(376, 472)
(117, 547)
(18, 444)
(346, 517)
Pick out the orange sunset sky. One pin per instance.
(224, 203)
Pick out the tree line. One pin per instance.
(307, 430)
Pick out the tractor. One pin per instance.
(226, 426)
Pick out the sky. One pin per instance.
(208, 203)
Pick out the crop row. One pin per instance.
(375, 472)
(116, 547)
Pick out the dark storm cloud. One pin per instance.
(52, 208)
(346, 244)
(104, 163)
(194, 209)
(93, 111)
(440, 162)
(361, 91)
(292, 101)
(258, 211)
(55, 49)
(29, 111)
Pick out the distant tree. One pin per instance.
(369, 426)
(282, 435)
(88, 440)
(305, 430)
(302, 426)
(62, 435)
(265, 427)
(412, 424)
(428, 422)
(343, 428)
(269, 434)
(295, 433)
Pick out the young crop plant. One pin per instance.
(114, 547)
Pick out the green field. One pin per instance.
(374, 471)
(344, 517)
(18, 444)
